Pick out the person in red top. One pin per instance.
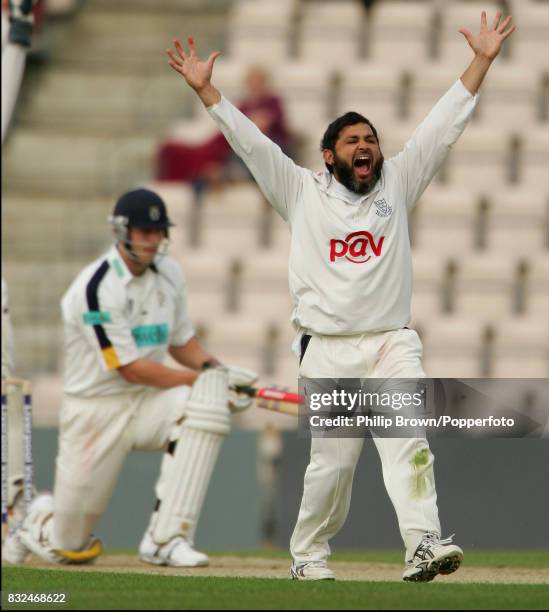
(213, 160)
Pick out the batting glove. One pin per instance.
(244, 378)
(21, 20)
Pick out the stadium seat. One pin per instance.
(226, 221)
(266, 272)
(442, 213)
(138, 46)
(430, 81)
(84, 165)
(398, 33)
(287, 370)
(538, 286)
(531, 18)
(508, 97)
(66, 94)
(428, 279)
(453, 348)
(330, 30)
(53, 235)
(240, 237)
(39, 349)
(242, 199)
(518, 222)
(370, 89)
(281, 236)
(535, 158)
(461, 14)
(393, 136)
(247, 340)
(236, 330)
(267, 304)
(205, 306)
(260, 31)
(36, 288)
(206, 272)
(521, 349)
(479, 159)
(485, 284)
(78, 166)
(305, 89)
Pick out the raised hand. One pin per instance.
(196, 72)
(487, 43)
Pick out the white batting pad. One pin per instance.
(186, 470)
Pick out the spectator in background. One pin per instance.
(264, 107)
(212, 162)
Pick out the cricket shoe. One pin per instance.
(433, 556)
(35, 535)
(175, 553)
(311, 570)
(13, 549)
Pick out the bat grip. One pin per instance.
(249, 391)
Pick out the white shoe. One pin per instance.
(13, 550)
(40, 511)
(175, 553)
(433, 556)
(35, 534)
(311, 570)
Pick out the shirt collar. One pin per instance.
(119, 266)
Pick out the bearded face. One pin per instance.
(357, 159)
(362, 174)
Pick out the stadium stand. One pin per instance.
(399, 33)
(331, 31)
(90, 120)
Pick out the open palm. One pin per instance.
(489, 40)
(197, 73)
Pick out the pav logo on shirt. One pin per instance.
(358, 247)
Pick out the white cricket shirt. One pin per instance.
(112, 318)
(350, 268)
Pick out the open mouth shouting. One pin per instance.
(362, 164)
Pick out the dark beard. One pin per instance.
(344, 174)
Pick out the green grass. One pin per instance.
(101, 590)
(104, 590)
(535, 559)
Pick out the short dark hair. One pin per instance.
(334, 129)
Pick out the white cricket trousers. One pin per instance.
(95, 437)
(329, 476)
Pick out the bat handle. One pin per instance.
(249, 391)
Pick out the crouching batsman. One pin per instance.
(123, 315)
